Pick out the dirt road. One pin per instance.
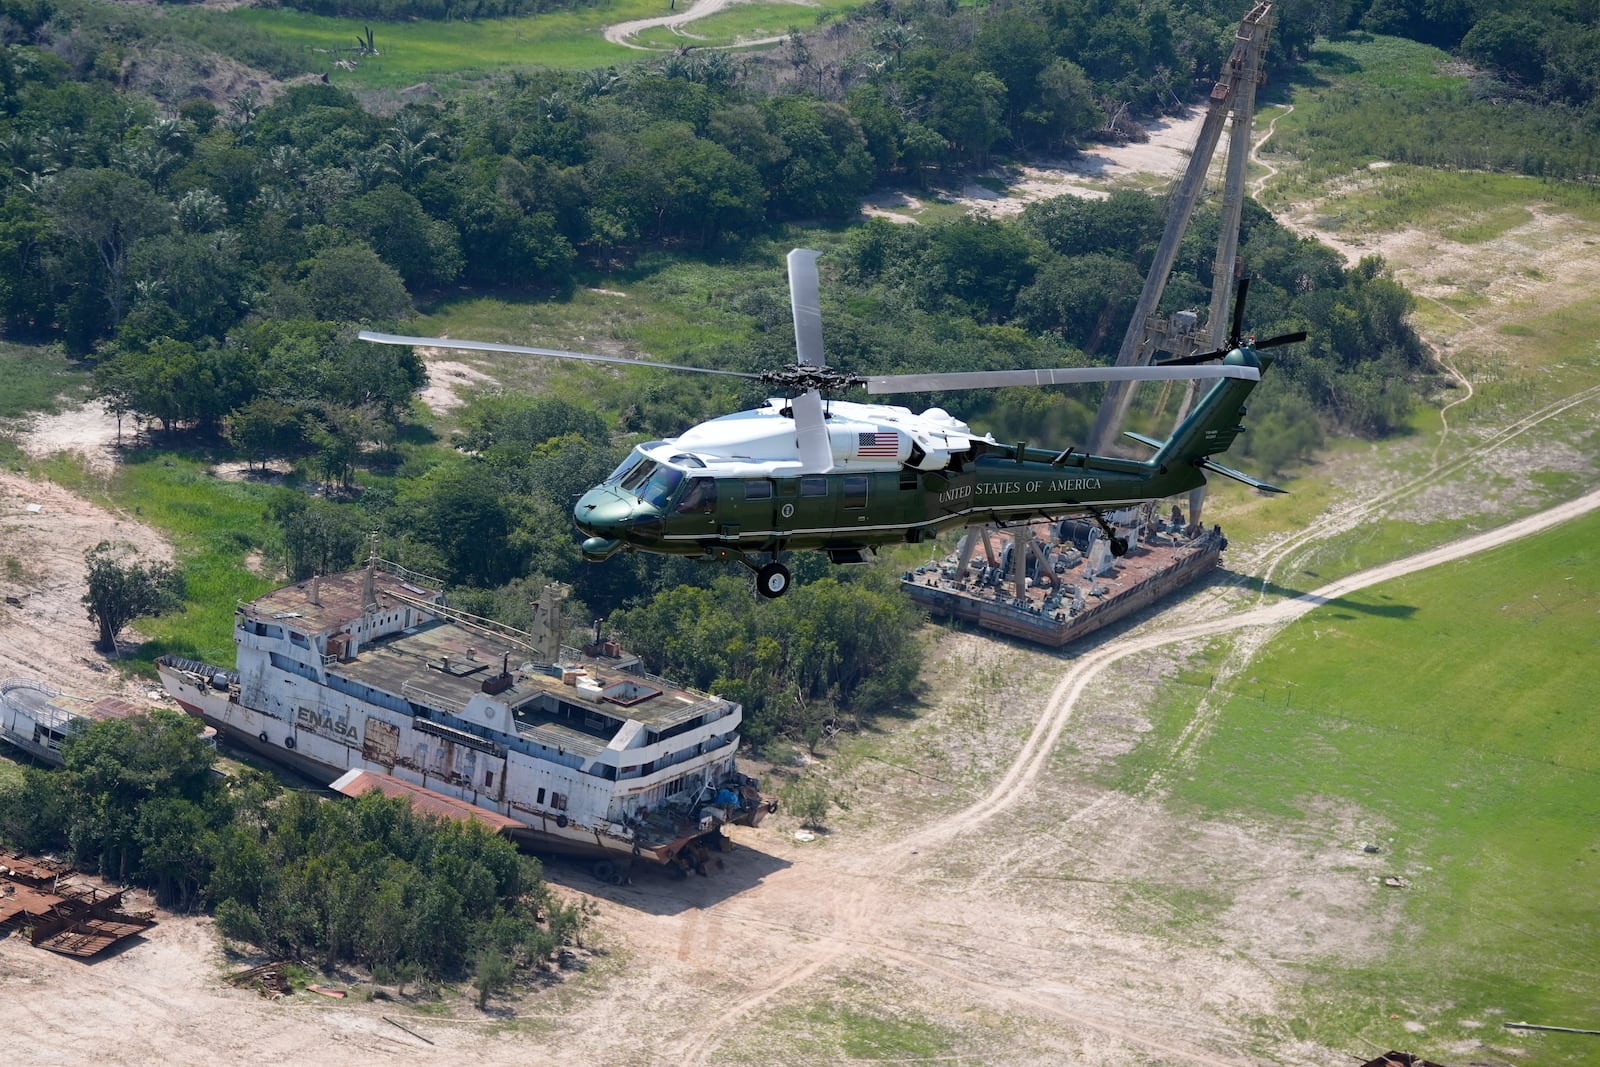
(623, 32)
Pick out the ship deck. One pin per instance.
(444, 664)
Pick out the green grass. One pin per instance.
(1454, 707)
(834, 1031)
(428, 50)
(38, 380)
(213, 525)
(746, 22)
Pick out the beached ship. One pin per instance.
(38, 718)
(371, 671)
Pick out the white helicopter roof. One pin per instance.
(762, 441)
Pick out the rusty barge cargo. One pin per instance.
(371, 671)
(1070, 585)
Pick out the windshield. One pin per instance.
(632, 480)
(662, 484)
(634, 459)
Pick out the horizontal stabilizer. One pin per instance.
(1142, 439)
(1239, 476)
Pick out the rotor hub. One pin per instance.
(798, 377)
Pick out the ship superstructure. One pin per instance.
(371, 670)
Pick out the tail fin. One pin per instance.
(1212, 426)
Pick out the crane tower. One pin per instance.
(1234, 94)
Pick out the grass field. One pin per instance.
(746, 22)
(462, 52)
(1455, 709)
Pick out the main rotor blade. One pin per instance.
(1238, 312)
(921, 383)
(811, 432)
(1204, 357)
(806, 302)
(1281, 339)
(528, 350)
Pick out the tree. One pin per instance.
(122, 589)
(351, 283)
(107, 212)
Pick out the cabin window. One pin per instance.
(814, 486)
(558, 801)
(674, 787)
(855, 491)
(540, 798)
(758, 490)
(700, 498)
(488, 779)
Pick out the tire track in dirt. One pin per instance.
(1344, 518)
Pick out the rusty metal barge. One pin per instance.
(370, 671)
(1057, 582)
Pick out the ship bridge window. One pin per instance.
(299, 639)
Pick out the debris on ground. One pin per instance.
(271, 980)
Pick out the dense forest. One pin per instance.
(368, 881)
(210, 261)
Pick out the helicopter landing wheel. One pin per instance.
(1119, 546)
(772, 580)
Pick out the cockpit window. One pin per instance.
(634, 459)
(663, 482)
(637, 476)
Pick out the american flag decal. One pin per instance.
(886, 445)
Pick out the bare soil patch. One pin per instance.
(1093, 172)
(448, 380)
(46, 634)
(88, 430)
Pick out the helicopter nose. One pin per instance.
(611, 517)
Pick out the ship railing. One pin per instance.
(520, 638)
(421, 695)
(8, 684)
(406, 574)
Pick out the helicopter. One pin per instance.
(844, 478)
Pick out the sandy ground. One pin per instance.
(1091, 174)
(46, 635)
